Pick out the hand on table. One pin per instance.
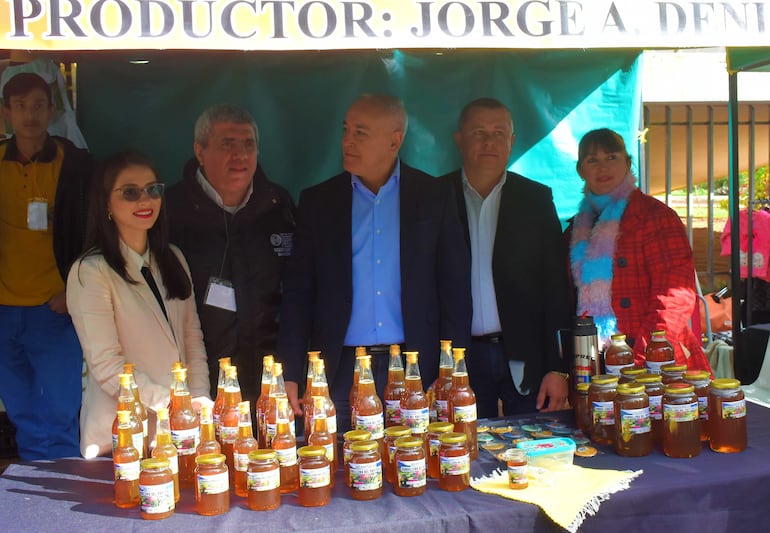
(555, 388)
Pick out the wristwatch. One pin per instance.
(562, 374)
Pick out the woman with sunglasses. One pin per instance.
(130, 297)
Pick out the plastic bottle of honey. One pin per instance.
(212, 485)
(320, 435)
(264, 480)
(244, 445)
(139, 409)
(165, 449)
(185, 428)
(462, 402)
(727, 416)
(394, 389)
(307, 398)
(700, 380)
(369, 415)
(314, 477)
(126, 403)
(125, 459)
(659, 352)
(263, 402)
(653, 386)
(633, 429)
(601, 396)
(365, 470)
(454, 462)
(442, 388)
(411, 468)
(285, 446)
(320, 387)
(219, 402)
(209, 443)
(618, 355)
(156, 489)
(681, 425)
(414, 403)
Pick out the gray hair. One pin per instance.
(222, 113)
(388, 104)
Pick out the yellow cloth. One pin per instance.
(567, 496)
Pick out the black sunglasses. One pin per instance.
(132, 193)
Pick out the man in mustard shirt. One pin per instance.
(43, 187)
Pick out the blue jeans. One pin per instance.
(41, 366)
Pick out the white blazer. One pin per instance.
(118, 322)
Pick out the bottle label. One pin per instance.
(213, 484)
(156, 499)
(517, 475)
(412, 473)
(217, 429)
(272, 429)
(416, 419)
(186, 440)
(614, 370)
(656, 407)
(603, 413)
(145, 428)
(127, 471)
(366, 476)
(228, 434)
(314, 478)
(374, 424)
(464, 413)
(736, 409)
(114, 442)
(241, 461)
(635, 421)
(442, 410)
(287, 456)
(173, 464)
(261, 481)
(329, 451)
(138, 440)
(331, 424)
(703, 407)
(680, 413)
(653, 367)
(393, 412)
(455, 466)
(433, 444)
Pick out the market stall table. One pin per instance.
(712, 492)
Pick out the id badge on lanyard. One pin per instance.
(220, 293)
(37, 214)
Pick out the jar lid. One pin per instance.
(453, 438)
(440, 427)
(604, 379)
(210, 458)
(618, 337)
(679, 388)
(364, 446)
(647, 378)
(697, 375)
(357, 434)
(658, 332)
(397, 431)
(631, 388)
(583, 387)
(408, 442)
(262, 455)
(725, 383)
(673, 367)
(311, 451)
(632, 370)
(153, 463)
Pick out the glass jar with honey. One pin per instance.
(435, 430)
(653, 386)
(601, 395)
(365, 470)
(518, 471)
(727, 416)
(618, 355)
(454, 462)
(700, 380)
(630, 373)
(582, 408)
(315, 488)
(633, 432)
(156, 489)
(263, 479)
(388, 459)
(354, 435)
(681, 425)
(411, 469)
(672, 373)
(212, 484)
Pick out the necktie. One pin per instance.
(154, 288)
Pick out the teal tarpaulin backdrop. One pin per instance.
(299, 101)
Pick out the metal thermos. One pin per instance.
(587, 360)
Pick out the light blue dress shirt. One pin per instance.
(376, 239)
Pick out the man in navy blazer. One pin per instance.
(518, 273)
(376, 261)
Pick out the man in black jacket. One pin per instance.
(235, 228)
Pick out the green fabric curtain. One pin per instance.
(748, 59)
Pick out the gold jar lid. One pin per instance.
(397, 431)
(440, 427)
(648, 378)
(311, 451)
(453, 438)
(583, 387)
(725, 383)
(618, 337)
(364, 446)
(679, 388)
(357, 434)
(604, 379)
(631, 388)
(673, 367)
(697, 375)
(210, 459)
(153, 463)
(262, 455)
(408, 442)
(632, 371)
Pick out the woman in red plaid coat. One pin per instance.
(630, 259)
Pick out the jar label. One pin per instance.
(374, 424)
(654, 367)
(442, 410)
(614, 370)
(366, 476)
(517, 475)
(241, 462)
(603, 413)
(455, 466)
(287, 457)
(187, 440)
(392, 453)
(635, 420)
(433, 445)
(736, 409)
(412, 473)
(157, 499)
(703, 407)
(465, 413)
(272, 429)
(214, 483)
(173, 464)
(329, 451)
(259, 481)
(331, 424)
(138, 440)
(416, 419)
(656, 407)
(393, 412)
(314, 478)
(680, 413)
(127, 471)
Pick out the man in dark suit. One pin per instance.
(376, 261)
(518, 270)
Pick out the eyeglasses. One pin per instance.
(133, 193)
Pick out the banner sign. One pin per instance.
(372, 24)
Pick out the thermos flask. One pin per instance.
(587, 361)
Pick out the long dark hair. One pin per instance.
(102, 234)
